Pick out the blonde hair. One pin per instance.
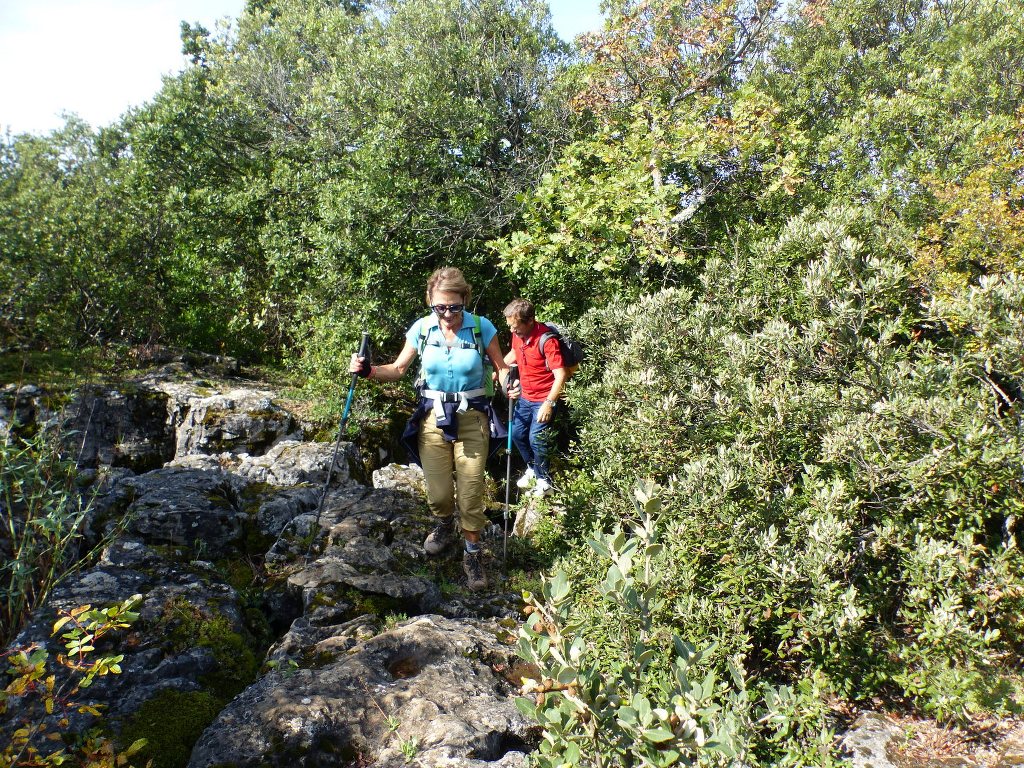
(450, 280)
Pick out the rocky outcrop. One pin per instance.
(868, 741)
(124, 426)
(401, 477)
(287, 463)
(193, 508)
(193, 634)
(427, 688)
(238, 421)
(23, 406)
(277, 627)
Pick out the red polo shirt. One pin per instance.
(535, 377)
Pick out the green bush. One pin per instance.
(841, 467)
(631, 691)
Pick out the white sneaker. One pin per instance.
(541, 488)
(527, 479)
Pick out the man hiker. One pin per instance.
(542, 375)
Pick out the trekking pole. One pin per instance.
(513, 377)
(364, 352)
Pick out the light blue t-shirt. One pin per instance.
(454, 367)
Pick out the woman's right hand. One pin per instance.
(359, 365)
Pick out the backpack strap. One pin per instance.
(478, 337)
(427, 324)
(550, 333)
(485, 365)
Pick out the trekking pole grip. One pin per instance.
(364, 345)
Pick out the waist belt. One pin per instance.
(440, 398)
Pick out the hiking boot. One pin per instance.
(541, 488)
(527, 479)
(441, 537)
(472, 564)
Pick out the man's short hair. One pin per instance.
(520, 310)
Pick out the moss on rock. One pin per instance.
(189, 626)
(171, 723)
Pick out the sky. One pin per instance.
(98, 58)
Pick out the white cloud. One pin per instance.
(94, 59)
(97, 58)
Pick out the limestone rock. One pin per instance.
(238, 421)
(24, 406)
(121, 427)
(429, 680)
(288, 463)
(527, 519)
(365, 552)
(291, 462)
(867, 742)
(186, 507)
(1012, 753)
(187, 478)
(308, 640)
(402, 477)
(282, 505)
(190, 634)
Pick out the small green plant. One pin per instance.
(287, 669)
(391, 620)
(409, 748)
(42, 515)
(40, 697)
(633, 706)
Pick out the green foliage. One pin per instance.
(63, 370)
(40, 698)
(634, 692)
(841, 463)
(409, 749)
(292, 187)
(630, 205)
(42, 515)
(401, 138)
(920, 118)
(789, 235)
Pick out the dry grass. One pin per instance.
(988, 742)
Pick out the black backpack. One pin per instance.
(572, 350)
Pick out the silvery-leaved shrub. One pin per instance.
(637, 695)
(842, 473)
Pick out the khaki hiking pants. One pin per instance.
(465, 459)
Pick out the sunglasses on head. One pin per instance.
(453, 308)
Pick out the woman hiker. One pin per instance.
(449, 434)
